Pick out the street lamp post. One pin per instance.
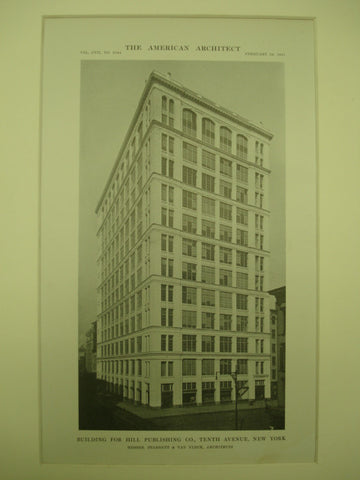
(234, 376)
(244, 388)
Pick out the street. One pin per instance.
(99, 411)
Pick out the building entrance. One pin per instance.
(259, 392)
(166, 395)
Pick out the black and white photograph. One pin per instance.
(174, 269)
(182, 289)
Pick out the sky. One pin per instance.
(109, 94)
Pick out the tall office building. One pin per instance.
(183, 227)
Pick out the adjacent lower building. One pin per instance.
(183, 235)
(278, 343)
(91, 348)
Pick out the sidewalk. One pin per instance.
(146, 412)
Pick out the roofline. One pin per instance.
(158, 77)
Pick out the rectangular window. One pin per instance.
(167, 217)
(189, 343)
(241, 258)
(259, 221)
(225, 211)
(189, 386)
(163, 216)
(225, 189)
(225, 300)
(167, 143)
(225, 233)
(225, 255)
(242, 237)
(189, 366)
(189, 152)
(208, 183)
(163, 266)
(189, 200)
(259, 346)
(208, 297)
(225, 366)
(167, 267)
(189, 271)
(241, 173)
(189, 295)
(164, 193)
(241, 323)
(208, 320)
(225, 167)
(163, 317)
(225, 322)
(207, 274)
(189, 247)
(170, 317)
(241, 301)
(208, 229)
(167, 243)
(189, 224)
(163, 293)
(241, 216)
(241, 280)
(242, 345)
(167, 167)
(163, 369)
(259, 368)
(259, 282)
(169, 290)
(163, 166)
(164, 142)
(225, 277)
(171, 168)
(207, 251)
(208, 160)
(163, 242)
(241, 195)
(189, 176)
(259, 304)
(167, 315)
(188, 319)
(259, 324)
(170, 341)
(170, 293)
(242, 366)
(208, 365)
(208, 206)
(139, 299)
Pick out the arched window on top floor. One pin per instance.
(167, 111)
(241, 147)
(208, 131)
(225, 139)
(189, 122)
